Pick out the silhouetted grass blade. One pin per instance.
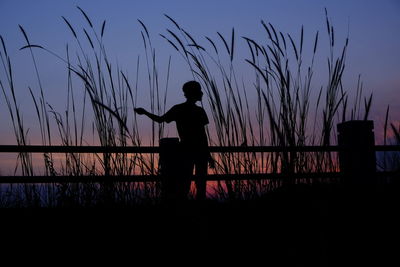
(396, 132)
(212, 43)
(112, 112)
(315, 42)
(144, 27)
(232, 43)
(70, 27)
(225, 43)
(24, 33)
(86, 16)
(197, 46)
(4, 46)
(367, 106)
(259, 70)
(283, 40)
(178, 40)
(170, 42)
(385, 126)
(294, 47)
(173, 21)
(31, 46)
(102, 28)
(89, 39)
(267, 29)
(301, 39)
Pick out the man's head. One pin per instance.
(192, 91)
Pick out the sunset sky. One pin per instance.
(373, 29)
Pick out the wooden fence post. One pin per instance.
(169, 164)
(357, 158)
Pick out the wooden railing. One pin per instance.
(155, 150)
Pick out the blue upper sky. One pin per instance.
(373, 27)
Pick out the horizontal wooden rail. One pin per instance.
(77, 149)
(157, 178)
(149, 149)
(154, 178)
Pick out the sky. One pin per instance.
(373, 27)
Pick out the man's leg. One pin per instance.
(201, 182)
(186, 178)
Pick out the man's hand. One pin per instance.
(140, 111)
(152, 116)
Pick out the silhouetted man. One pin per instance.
(190, 122)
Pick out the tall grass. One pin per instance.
(284, 88)
(20, 132)
(390, 161)
(110, 93)
(289, 110)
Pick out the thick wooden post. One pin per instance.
(169, 163)
(357, 158)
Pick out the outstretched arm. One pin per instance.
(156, 118)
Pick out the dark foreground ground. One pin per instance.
(294, 226)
